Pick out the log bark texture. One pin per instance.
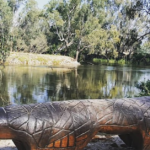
(70, 125)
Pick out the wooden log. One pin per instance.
(70, 125)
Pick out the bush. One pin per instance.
(103, 61)
(4, 53)
(121, 61)
(111, 61)
(144, 87)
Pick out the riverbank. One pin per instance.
(122, 62)
(109, 143)
(29, 59)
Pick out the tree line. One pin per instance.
(110, 29)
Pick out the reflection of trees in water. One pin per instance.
(4, 95)
(59, 85)
(30, 85)
(25, 86)
(98, 83)
(21, 86)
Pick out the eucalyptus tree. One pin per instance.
(142, 8)
(5, 25)
(30, 34)
(107, 46)
(61, 16)
(130, 28)
(77, 23)
(8, 9)
(87, 35)
(139, 11)
(14, 6)
(88, 27)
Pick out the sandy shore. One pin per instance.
(111, 143)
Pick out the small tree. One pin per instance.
(88, 35)
(5, 25)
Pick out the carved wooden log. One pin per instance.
(70, 125)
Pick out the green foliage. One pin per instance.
(145, 48)
(121, 61)
(76, 23)
(112, 29)
(5, 26)
(30, 38)
(110, 61)
(4, 53)
(144, 87)
(56, 62)
(104, 61)
(7, 14)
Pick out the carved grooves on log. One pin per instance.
(70, 125)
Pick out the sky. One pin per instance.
(41, 3)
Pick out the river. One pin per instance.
(23, 85)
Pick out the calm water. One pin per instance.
(38, 84)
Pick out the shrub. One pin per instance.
(144, 87)
(121, 61)
(111, 61)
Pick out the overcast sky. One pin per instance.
(41, 3)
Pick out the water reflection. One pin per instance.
(35, 84)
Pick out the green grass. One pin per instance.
(39, 59)
(97, 60)
(111, 61)
(56, 62)
(42, 59)
(23, 59)
(121, 61)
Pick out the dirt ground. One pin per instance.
(104, 143)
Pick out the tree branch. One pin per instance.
(60, 35)
(141, 37)
(86, 47)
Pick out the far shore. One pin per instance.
(30, 59)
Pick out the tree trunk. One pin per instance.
(107, 60)
(77, 55)
(11, 47)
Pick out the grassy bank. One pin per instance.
(29, 59)
(110, 62)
